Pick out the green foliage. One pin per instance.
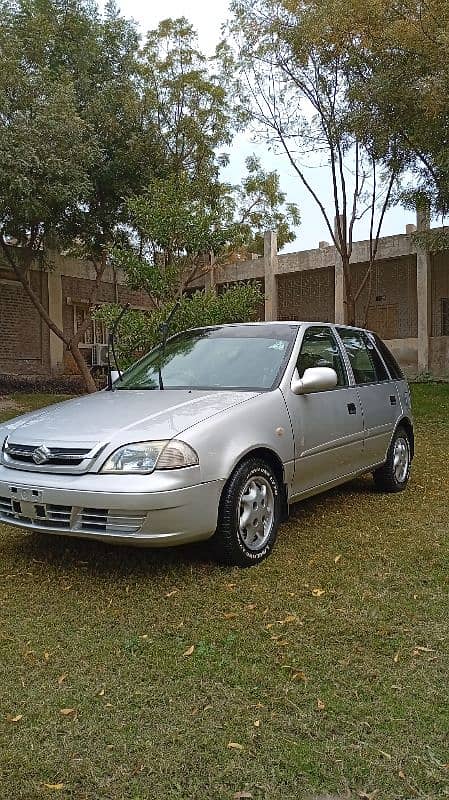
(258, 205)
(139, 331)
(90, 119)
(71, 139)
(188, 100)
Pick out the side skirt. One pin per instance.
(323, 487)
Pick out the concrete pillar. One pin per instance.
(270, 254)
(340, 315)
(423, 291)
(55, 311)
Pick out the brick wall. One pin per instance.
(24, 340)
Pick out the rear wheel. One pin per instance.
(249, 515)
(394, 474)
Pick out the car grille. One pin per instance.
(57, 459)
(59, 456)
(49, 516)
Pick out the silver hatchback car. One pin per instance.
(212, 437)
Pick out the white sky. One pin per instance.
(207, 18)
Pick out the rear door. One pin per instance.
(378, 393)
(327, 426)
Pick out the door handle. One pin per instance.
(392, 399)
(351, 408)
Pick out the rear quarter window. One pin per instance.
(393, 366)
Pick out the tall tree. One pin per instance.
(180, 231)
(71, 144)
(400, 84)
(295, 87)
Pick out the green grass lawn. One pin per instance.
(289, 692)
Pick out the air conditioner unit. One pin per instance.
(100, 355)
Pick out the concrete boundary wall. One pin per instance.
(408, 305)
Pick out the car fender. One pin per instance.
(262, 422)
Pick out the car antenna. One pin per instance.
(163, 330)
(111, 347)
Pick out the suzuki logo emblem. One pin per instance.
(41, 455)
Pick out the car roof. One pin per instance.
(281, 322)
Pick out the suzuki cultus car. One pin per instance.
(212, 436)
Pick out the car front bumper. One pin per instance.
(150, 511)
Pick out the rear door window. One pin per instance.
(367, 366)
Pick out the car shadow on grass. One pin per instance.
(103, 559)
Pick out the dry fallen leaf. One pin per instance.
(46, 656)
(299, 676)
(189, 650)
(61, 679)
(318, 592)
(257, 723)
(251, 606)
(230, 615)
(401, 774)
(67, 712)
(242, 795)
(337, 558)
(17, 718)
(396, 657)
(289, 618)
(56, 786)
(170, 594)
(320, 704)
(235, 746)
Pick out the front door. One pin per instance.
(327, 426)
(378, 394)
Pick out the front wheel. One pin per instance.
(394, 474)
(249, 515)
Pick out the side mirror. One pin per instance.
(315, 379)
(114, 375)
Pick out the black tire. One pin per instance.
(232, 546)
(389, 477)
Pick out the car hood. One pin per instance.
(120, 417)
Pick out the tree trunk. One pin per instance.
(350, 309)
(22, 275)
(91, 386)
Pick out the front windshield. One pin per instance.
(246, 357)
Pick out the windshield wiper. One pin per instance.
(163, 330)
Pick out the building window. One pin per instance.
(94, 340)
(445, 316)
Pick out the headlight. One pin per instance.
(144, 457)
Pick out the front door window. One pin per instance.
(320, 349)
